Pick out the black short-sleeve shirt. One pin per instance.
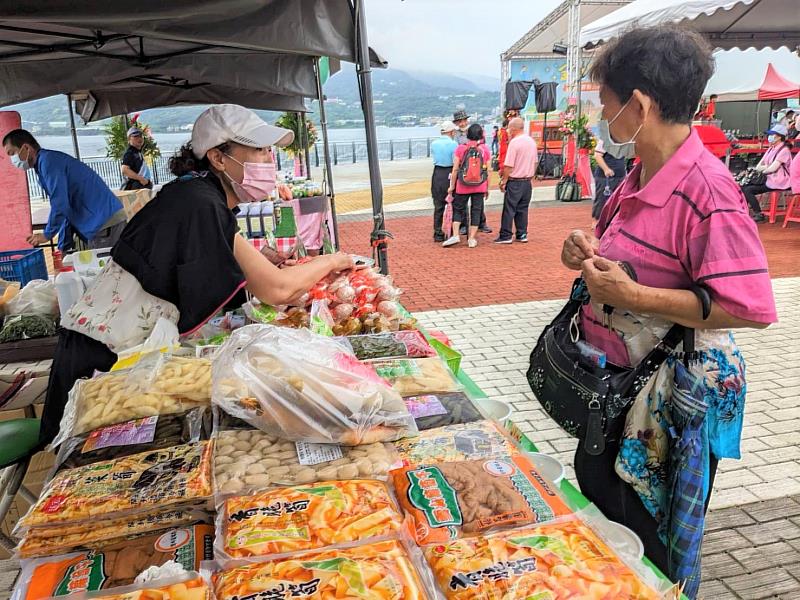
(133, 159)
(180, 248)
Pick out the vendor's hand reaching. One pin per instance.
(279, 259)
(578, 247)
(284, 193)
(341, 261)
(36, 239)
(608, 283)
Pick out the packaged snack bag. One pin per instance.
(377, 571)
(306, 517)
(480, 439)
(564, 559)
(458, 499)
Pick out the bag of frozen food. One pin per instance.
(300, 386)
(189, 586)
(137, 483)
(249, 460)
(159, 384)
(458, 499)
(414, 376)
(307, 517)
(113, 565)
(441, 409)
(469, 441)
(133, 437)
(60, 539)
(563, 559)
(380, 571)
(394, 344)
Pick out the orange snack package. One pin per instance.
(455, 499)
(190, 589)
(556, 560)
(377, 571)
(306, 517)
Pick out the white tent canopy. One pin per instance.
(725, 23)
(739, 75)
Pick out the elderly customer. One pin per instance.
(678, 221)
(134, 167)
(516, 180)
(442, 151)
(775, 165)
(468, 199)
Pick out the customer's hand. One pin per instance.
(502, 186)
(451, 189)
(36, 239)
(608, 172)
(608, 283)
(578, 246)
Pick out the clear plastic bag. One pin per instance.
(395, 344)
(27, 327)
(413, 376)
(249, 460)
(442, 409)
(158, 384)
(133, 437)
(188, 586)
(38, 297)
(299, 386)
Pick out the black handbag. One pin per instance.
(751, 177)
(589, 403)
(568, 189)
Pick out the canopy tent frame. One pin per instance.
(47, 36)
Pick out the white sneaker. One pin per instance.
(473, 243)
(451, 241)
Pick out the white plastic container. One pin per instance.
(69, 288)
(495, 409)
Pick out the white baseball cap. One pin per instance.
(447, 127)
(780, 129)
(233, 123)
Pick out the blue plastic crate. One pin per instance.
(23, 265)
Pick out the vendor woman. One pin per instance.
(181, 257)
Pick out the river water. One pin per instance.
(95, 145)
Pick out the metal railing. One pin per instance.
(109, 169)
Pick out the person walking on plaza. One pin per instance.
(775, 165)
(469, 180)
(674, 246)
(442, 152)
(608, 174)
(134, 166)
(495, 141)
(461, 121)
(81, 204)
(516, 180)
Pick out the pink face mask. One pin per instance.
(258, 181)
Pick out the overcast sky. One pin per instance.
(454, 36)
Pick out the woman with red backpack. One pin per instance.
(470, 182)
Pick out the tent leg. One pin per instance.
(75, 146)
(307, 157)
(379, 235)
(323, 123)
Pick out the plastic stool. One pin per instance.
(774, 212)
(790, 217)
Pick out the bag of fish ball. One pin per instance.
(248, 460)
(159, 384)
(296, 385)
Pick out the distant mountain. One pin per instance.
(401, 98)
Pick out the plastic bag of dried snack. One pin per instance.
(125, 486)
(456, 499)
(299, 518)
(563, 559)
(189, 586)
(413, 376)
(481, 439)
(375, 571)
(440, 409)
(249, 460)
(113, 565)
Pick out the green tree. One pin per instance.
(117, 138)
(294, 122)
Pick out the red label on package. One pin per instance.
(54, 504)
(140, 431)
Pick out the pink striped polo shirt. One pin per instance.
(689, 224)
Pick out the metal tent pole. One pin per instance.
(577, 60)
(75, 146)
(323, 124)
(307, 154)
(379, 235)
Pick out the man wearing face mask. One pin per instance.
(181, 257)
(81, 204)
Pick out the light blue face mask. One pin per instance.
(626, 150)
(18, 162)
(772, 138)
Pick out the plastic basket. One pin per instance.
(23, 265)
(447, 354)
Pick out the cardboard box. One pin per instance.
(133, 200)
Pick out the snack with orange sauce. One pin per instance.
(376, 571)
(306, 517)
(563, 559)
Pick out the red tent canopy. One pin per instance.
(777, 87)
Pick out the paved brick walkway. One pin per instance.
(437, 278)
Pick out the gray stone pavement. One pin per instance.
(496, 342)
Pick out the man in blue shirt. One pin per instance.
(80, 202)
(442, 151)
